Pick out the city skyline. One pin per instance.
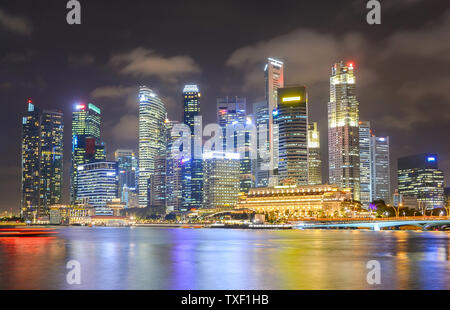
(103, 91)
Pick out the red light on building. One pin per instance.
(351, 65)
(30, 101)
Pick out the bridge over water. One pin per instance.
(427, 223)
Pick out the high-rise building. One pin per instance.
(343, 129)
(97, 183)
(157, 187)
(127, 166)
(261, 119)
(152, 115)
(314, 156)
(365, 154)
(42, 160)
(86, 144)
(232, 112)
(221, 183)
(291, 117)
(274, 77)
(193, 168)
(380, 179)
(419, 177)
(174, 177)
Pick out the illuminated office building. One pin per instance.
(221, 180)
(232, 112)
(314, 156)
(157, 186)
(419, 177)
(42, 160)
(292, 119)
(381, 167)
(86, 144)
(97, 184)
(127, 166)
(365, 174)
(274, 77)
(152, 115)
(343, 129)
(174, 177)
(261, 120)
(193, 168)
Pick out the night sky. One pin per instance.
(402, 65)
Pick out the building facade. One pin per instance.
(343, 129)
(152, 114)
(381, 169)
(365, 155)
(42, 160)
(174, 176)
(86, 144)
(261, 121)
(193, 168)
(127, 165)
(221, 180)
(419, 177)
(97, 184)
(314, 155)
(291, 116)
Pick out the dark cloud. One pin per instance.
(84, 59)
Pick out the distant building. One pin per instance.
(261, 121)
(221, 180)
(152, 115)
(274, 77)
(343, 129)
(97, 183)
(42, 160)
(127, 166)
(381, 169)
(86, 144)
(174, 176)
(193, 168)
(291, 116)
(232, 112)
(365, 175)
(419, 176)
(157, 187)
(297, 201)
(314, 155)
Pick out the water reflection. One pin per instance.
(146, 258)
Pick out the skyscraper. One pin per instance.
(314, 156)
(291, 117)
(174, 177)
(381, 169)
(86, 144)
(343, 129)
(192, 169)
(274, 77)
(221, 183)
(127, 166)
(233, 112)
(365, 175)
(97, 183)
(261, 119)
(152, 115)
(419, 177)
(42, 160)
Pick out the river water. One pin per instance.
(155, 258)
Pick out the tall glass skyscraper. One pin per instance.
(42, 160)
(127, 166)
(274, 77)
(261, 120)
(86, 144)
(174, 177)
(381, 169)
(233, 112)
(419, 176)
(292, 119)
(152, 115)
(365, 152)
(343, 129)
(314, 155)
(192, 169)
